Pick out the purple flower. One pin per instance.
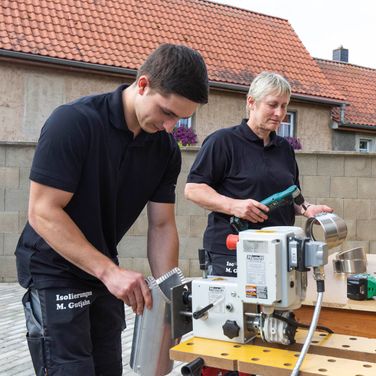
(184, 136)
(294, 142)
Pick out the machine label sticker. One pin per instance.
(251, 291)
(216, 293)
(256, 270)
(262, 292)
(255, 246)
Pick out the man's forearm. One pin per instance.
(163, 248)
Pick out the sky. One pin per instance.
(324, 25)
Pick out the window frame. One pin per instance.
(291, 125)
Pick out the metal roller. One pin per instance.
(334, 228)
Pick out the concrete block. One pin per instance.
(24, 178)
(182, 224)
(8, 272)
(2, 155)
(8, 222)
(142, 266)
(185, 207)
(9, 177)
(365, 229)
(357, 209)
(360, 166)
(184, 267)
(188, 158)
(351, 229)
(189, 247)
(307, 164)
(194, 268)
(2, 199)
(10, 243)
(372, 209)
(2, 252)
(317, 186)
(356, 243)
(343, 187)
(19, 156)
(373, 166)
(372, 247)
(126, 263)
(330, 165)
(366, 188)
(133, 246)
(16, 199)
(22, 219)
(198, 225)
(140, 227)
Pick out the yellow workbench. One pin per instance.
(329, 354)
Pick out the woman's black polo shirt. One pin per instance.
(86, 148)
(235, 163)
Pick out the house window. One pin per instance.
(186, 123)
(365, 145)
(286, 129)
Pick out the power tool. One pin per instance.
(286, 197)
(361, 286)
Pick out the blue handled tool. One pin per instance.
(286, 197)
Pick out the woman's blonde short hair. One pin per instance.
(267, 83)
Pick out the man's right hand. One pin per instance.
(130, 287)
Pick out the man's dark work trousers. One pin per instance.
(74, 331)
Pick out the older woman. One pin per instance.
(237, 167)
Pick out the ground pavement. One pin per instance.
(14, 356)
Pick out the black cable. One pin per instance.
(301, 325)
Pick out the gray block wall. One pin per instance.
(345, 181)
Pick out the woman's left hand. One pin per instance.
(313, 210)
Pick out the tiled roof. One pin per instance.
(358, 84)
(236, 44)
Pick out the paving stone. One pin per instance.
(14, 355)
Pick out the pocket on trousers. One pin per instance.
(36, 349)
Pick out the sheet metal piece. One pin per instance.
(152, 337)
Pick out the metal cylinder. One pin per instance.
(334, 228)
(152, 337)
(351, 261)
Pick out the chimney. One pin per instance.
(341, 54)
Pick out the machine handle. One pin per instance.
(198, 314)
(231, 242)
(201, 312)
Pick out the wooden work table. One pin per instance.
(342, 315)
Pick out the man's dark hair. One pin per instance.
(177, 69)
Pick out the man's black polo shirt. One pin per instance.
(86, 148)
(235, 163)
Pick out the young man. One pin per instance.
(99, 161)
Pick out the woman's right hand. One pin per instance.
(251, 210)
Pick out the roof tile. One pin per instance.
(358, 85)
(236, 44)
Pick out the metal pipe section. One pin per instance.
(334, 228)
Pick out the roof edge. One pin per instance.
(344, 63)
(68, 63)
(311, 98)
(350, 126)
